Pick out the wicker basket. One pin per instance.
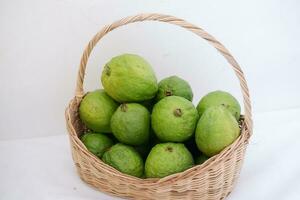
(214, 179)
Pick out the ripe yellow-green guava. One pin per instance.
(216, 129)
(129, 78)
(130, 124)
(167, 158)
(174, 119)
(220, 98)
(125, 159)
(96, 109)
(96, 143)
(174, 86)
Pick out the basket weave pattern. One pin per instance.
(212, 180)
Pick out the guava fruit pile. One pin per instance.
(151, 129)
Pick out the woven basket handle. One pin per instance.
(179, 22)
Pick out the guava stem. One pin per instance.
(107, 70)
(124, 107)
(168, 92)
(170, 149)
(225, 105)
(177, 112)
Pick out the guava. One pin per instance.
(174, 119)
(220, 98)
(125, 159)
(96, 143)
(130, 124)
(200, 159)
(216, 129)
(96, 109)
(174, 86)
(167, 158)
(129, 78)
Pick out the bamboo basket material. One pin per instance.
(212, 180)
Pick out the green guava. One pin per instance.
(125, 159)
(96, 109)
(200, 159)
(174, 86)
(220, 98)
(174, 119)
(216, 129)
(96, 143)
(167, 158)
(129, 78)
(130, 124)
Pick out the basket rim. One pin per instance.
(193, 171)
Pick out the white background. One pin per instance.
(41, 42)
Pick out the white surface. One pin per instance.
(42, 41)
(42, 169)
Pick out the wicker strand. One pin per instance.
(79, 92)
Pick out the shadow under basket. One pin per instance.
(212, 180)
